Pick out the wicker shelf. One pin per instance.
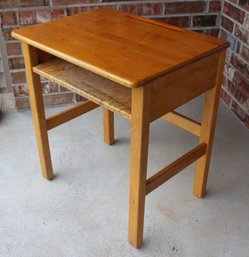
(95, 88)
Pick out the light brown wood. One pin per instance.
(175, 167)
(43, 56)
(107, 42)
(160, 67)
(138, 166)
(156, 23)
(69, 114)
(108, 120)
(36, 101)
(207, 129)
(180, 86)
(89, 85)
(183, 122)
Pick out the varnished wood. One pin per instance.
(138, 68)
(175, 167)
(36, 102)
(138, 166)
(182, 85)
(156, 23)
(183, 122)
(209, 115)
(87, 84)
(43, 56)
(108, 121)
(107, 42)
(69, 114)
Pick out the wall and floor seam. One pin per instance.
(227, 18)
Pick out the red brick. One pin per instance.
(199, 30)
(43, 16)
(242, 34)
(247, 21)
(27, 18)
(214, 6)
(67, 2)
(108, 1)
(22, 3)
(75, 10)
(223, 34)
(244, 4)
(22, 103)
(13, 49)
(241, 84)
(237, 94)
(245, 53)
(143, 9)
(18, 77)
(49, 14)
(49, 87)
(63, 89)
(225, 97)
(183, 21)
(8, 18)
(246, 123)
(204, 20)
(40, 16)
(229, 71)
(234, 12)
(212, 32)
(58, 13)
(227, 24)
(238, 47)
(7, 33)
(58, 99)
(241, 114)
(20, 90)
(3, 90)
(240, 65)
(79, 98)
(184, 7)
(16, 63)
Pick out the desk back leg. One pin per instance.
(207, 129)
(108, 120)
(138, 169)
(37, 107)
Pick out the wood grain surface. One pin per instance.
(119, 46)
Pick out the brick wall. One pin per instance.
(235, 28)
(202, 16)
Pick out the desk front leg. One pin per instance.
(37, 107)
(140, 120)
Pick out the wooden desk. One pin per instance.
(138, 68)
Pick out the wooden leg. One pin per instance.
(36, 101)
(138, 169)
(108, 117)
(207, 130)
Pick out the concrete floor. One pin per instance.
(84, 210)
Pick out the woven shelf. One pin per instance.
(91, 86)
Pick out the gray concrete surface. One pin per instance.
(84, 210)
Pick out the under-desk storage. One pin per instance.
(91, 86)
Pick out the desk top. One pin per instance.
(127, 49)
